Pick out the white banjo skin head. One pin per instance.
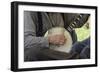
(62, 48)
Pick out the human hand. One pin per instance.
(58, 39)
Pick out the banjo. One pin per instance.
(66, 47)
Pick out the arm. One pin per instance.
(30, 39)
(33, 45)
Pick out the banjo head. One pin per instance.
(66, 47)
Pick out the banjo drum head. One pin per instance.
(66, 47)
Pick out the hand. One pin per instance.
(57, 39)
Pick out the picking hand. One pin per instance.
(57, 39)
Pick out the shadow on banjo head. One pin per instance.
(66, 47)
